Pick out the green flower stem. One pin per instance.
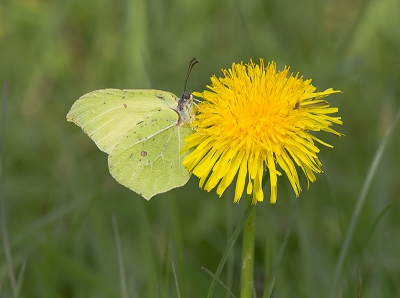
(247, 273)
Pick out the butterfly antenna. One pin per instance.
(192, 63)
(205, 84)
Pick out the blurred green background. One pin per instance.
(60, 198)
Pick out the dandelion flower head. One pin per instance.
(254, 119)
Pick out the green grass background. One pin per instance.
(60, 198)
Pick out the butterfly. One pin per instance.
(143, 133)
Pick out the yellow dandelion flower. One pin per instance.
(254, 119)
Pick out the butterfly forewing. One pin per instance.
(107, 115)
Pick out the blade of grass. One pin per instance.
(166, 258)
(373, 227)
(232, 241)
(6, 242)
(271, 283)
(148, 253)
(218, 281)
(178, 293)
(360, 203)
(124, 291)
(230, 264)
(177, 247)
(21, 277)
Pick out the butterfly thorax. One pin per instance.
(185, 108)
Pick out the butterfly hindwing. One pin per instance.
(147, 159)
